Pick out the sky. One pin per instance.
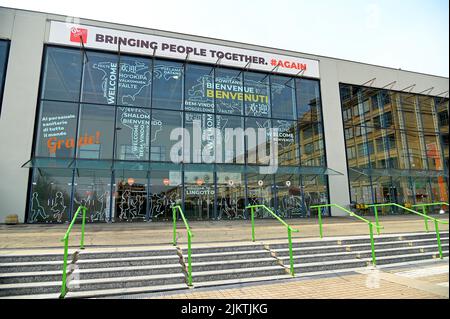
(408, 34)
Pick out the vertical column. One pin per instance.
(19, 109)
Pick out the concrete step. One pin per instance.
(95, 273)
(361, 254)
(229, 255)
(359, 263)
(358, 247)
(31, 258)
(123, 253)
(226, 274)
(223, 248)
(125, 291)
(31, 266)
(127, 282)
(352, 240)
(234, 264)
(53, 287)
(30, 288)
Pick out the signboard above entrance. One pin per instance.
(131, 42)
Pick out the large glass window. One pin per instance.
(50, 195)
(199, 92)
(163, 122)
(283, 97)
(4, 45)
(166, 186)
(133, 133)
(62, 75)
(56, 132)
(96, 132)
(167, 85)
(112, 116)
(229, 93)
(308, 100)
(199, 193)
(256, 94)
(135, 81)
(390, 142)
(100, 78)
(231, 142)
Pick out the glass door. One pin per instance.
(130, 197)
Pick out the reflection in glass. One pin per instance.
(283, 97)
(308, 100)
(260, 192)
(62, 75)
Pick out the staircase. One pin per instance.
(347, 253)
(102, 272)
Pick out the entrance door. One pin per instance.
(289, 199)
(131, 196)
(199, 195)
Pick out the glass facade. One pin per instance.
(4, 49)
(396, 146)
(106, 130)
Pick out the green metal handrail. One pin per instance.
(436, 221)
(65, 239)
(289, 230)
(352, 214)
(424, 210)
(190, 235)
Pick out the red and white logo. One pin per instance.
(78, 35)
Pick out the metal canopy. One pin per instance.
(393, 172)
(67, 163)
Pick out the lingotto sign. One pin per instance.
(131, 42)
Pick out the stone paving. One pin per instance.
(157, 233)
(389, 284)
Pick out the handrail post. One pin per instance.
(82, 228)
(189, 260)
(319, 214)
(291, 257)
(438, 236)
(253, 222)
(376, 219)
(372, 245)
(64, 275)
(424, 210)
(174, 216)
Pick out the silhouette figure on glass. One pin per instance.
(36, 209)
(58, 208)
(124, 205)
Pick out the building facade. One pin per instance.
(128, 121)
